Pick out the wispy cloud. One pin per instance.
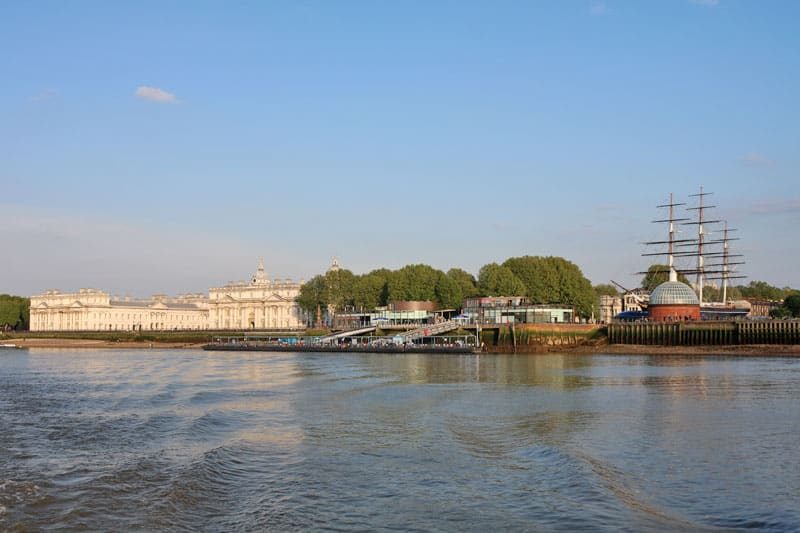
(598, 8)
(705, 3)
(754, 159)
(154, 94)
(44, 96)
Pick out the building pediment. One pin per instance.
(76, 305)
(158, 305)
(42, 305)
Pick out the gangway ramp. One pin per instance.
(327, 339)
(427, 331)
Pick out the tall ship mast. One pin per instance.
(727, 266)
(671, 241)
(722, 263)
(717, 271)
(672, 300)
(701, 252)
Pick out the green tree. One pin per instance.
(792, 304)
(339, 285)
(714, 294)
(554, 280)
(14, 312)
(413, 282)
(371, 290)
(780, 312)
(448, 292)
(605, 289)
(658, 274)
(497, 280)
(313, 294)
(733, 293)
(465, 280)
(761, 290)
(540, 277)
(711, 294)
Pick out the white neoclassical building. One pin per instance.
(260, 303)
(95, 310)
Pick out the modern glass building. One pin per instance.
(513, 309)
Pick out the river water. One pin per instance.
(190, 440)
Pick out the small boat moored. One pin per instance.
(10, 346)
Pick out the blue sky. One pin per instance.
(166, 146)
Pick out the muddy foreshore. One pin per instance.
(580, 349)
(749, 350)
(94, 343)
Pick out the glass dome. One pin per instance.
(673, 293)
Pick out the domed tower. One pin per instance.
(672, 301)
(260, 277)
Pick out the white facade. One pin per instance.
(635, 300)
(260, 304)
(610, 306)
(94, 310)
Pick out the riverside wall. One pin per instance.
(706, 333)
(532, 337)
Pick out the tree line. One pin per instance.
(544, 280)
(790, 307)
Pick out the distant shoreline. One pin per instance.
(760, 350)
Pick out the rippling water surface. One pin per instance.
(153, 440)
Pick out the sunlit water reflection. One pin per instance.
(152, 440)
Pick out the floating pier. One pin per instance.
(423, 341)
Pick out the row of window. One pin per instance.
(113, 327)
(241, 312)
